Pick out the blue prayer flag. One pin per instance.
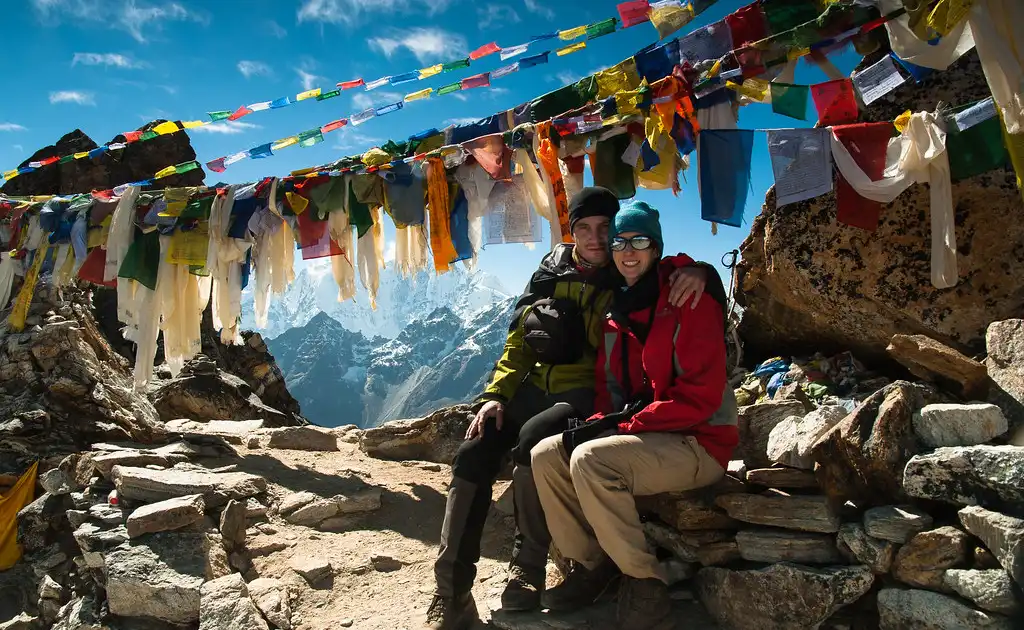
(724, 165)
(535, 60)
(280, 102)
(262, 151)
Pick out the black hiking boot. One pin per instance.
(523, 589)
(582, 587)
(643, 605)
(451, 613)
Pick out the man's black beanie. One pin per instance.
(592, 202)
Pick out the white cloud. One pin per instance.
(106, 59)
(427, 44)
(565, 77)
(276, 29)
(251, 69)
(461, 121)
(350, 12)
(229, 127)
(362, 100)
(308, 79)
(533, 6)
(132, 16)
(70, 96)
(17, 147)
(499, 14)
(6, 126)
(462, 97)
(351, 139)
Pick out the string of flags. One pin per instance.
(632, 13)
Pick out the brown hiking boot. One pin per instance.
(523, 589)
(581, 587)
(451, 613)
(643, 605)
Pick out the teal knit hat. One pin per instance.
(639, 217)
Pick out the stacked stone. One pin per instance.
(906, 513)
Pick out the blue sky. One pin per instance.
(108, 66)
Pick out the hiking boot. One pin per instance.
(523, 589)
(581, 587)
(643, 605)
(451, 613)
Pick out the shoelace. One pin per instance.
(436, 610)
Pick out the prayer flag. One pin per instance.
(918, 73)
(405, 77)
(259, 107)
(668, 16)
(634, 12)
(867, 144)
(284, 142)
(505, 70)
(185, 167)
(835, 102)
(786, 14)
(241, 111)
(373, 85)
(188, 124)
(801, 163)
(545, 36)
(448, 89)
(977, 147)
(10, 174)
(572, 33)
(81, 155)
(747, 25)
(326, 95)
(301, 96)
(455, 65)
(164, 172)
(790, 100)
(724, 163)
(262, 151)
(431, 71)
(236, 157)
(483, 51)
(334, 125)
(512, 51)
(878, 80)
(310, 137)
(217, 166)
(602, 28)
(348, 85)
(167, 127)
(98, 151)
(215, 116)
(476, 81)
(415, 96)
(280, 102)
(571, 48)
(146, 135)
(714, 41)
(69, 158)
(387, 109)
(535, 60)
(133, 136)
(947, 14)
(363, 116)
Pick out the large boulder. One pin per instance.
(224, 604)
(435, 438)
(1003, 535)
(271, 597)
(989, 476)
(959, 425)
(1005, 363)
(925, 610)
(990, 590)
(791, 441)
(166, 515)
(808, 283)
(896, 523)
(874, 553)
(143, 484)
(756, 422)
(780, 597)
(924, 559)
(935, 362)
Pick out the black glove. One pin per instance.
(581, 431)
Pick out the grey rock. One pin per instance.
(76, 517)
(313, 569)
(925, 610)
(990, 590)
(874, 553)
(968, 475)
(158, 576)
(366, 500)
(142, 484)
(755, 426)
(225, 605)
(271, 597)
(233, 524)
(671, 540)
(319, 510)
(170, 514)
(294, 501)
(1005, 363)
(924, 559)
(104, 462)
(435, 438)
(1003, 535)
(790, 441)
(308, 438)
(719, 553)
(50, 589)
(789, 478)
(896, 523)
(254, 509)
(780, 597)
(56, 482)
(80, 614)
(23, 621)
(313, 513)
(959, 425)
(92, 537)
(810, 514)
(106, 513)
(772, 545)
(685, 511)
(937, 363)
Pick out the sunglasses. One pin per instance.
(639, 243)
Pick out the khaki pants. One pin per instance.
(588, 499)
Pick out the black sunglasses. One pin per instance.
(639, 243)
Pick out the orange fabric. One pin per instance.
(547, 155)
(681, 103)
(439, 215)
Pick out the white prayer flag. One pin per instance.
(976, 114)
(875, 82)
(801, 162)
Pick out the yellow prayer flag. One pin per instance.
(621, 77)
(415, 96)
(431, 71)
(191, 247)
(947, 14)
(297, 202)
(10, 174)
(165, 128)
(164, 172)
(902, 120)
(573, 33)
(284, 142)
(302, 172)
(754, 89)
(192, 124)
(796, 53)
(81, 155)
(561, 52)
(10, 504)
(301, 96)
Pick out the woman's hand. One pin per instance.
(685, 283)
(491, 408)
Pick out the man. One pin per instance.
(538, 383)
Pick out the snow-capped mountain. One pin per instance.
(400, 301)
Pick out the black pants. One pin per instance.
(528, 418)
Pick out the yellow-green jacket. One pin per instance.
(557, 277)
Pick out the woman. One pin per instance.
(666, 422)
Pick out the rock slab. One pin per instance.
(959, 425)
(896, 523)
(772, 545)
(143, 484)
(925, 610)
(755, 423)
(937, 363)
(789, 478)
(271, 597)
(874, 553)
(225, 605)
(809, 514)
(1003, 535)
(969, 475)
(157, 576)
(924, 559)
(166, 515)
(790, 442)
(990, 590)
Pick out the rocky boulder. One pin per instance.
(924, 559)
(756, 422)
(924, 610)
(271, 597)
(990, 590)
(959, 425)
(1003, 535)
(894, 523)
(874, 553)
(791, 440)
(224, 604)
(1005, 363)
(989, 476)
(435, 438)
(143, 484)
(937, 363)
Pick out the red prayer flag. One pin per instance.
(747, 25)
(132, 136)
(475, 81)
(92, 269)
(49, 160)
(634, 12)
(867, 144)
(241, 111)
(836, 102)
(348, 85)
(485, 50)
(751, 61)
(217, 166)
(334, 125)
(315, 239)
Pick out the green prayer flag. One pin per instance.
(215, 116)
(141, 261)
(148, 135)
(66, 159)
(327, 95)
(448, 89)
(311, 137)
(186, 167)
(598, 29)
(786, 14)
(975, 150)
(790, 100)
(455, 65)
(358, 213)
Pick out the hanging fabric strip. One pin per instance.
(836, 102)
(633, 12)
(431, 71)
(572, 33)
(801, 163)
(439, 215)
(483, 51)
(19, 312)
(373, 85)
(907, 46)
(415, 96)
(878, 80)
(476, 81)
(505, 70)
(724, 172)
(406, 77)
(790, 100)
(867, 144)
(547, 155)
(571, 48)
(512, 51)
(348, 85)
(668, 16)
(301, 96)
(998, 27)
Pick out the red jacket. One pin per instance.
(684, 359)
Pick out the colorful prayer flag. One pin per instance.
(387, 109)
(505, 70)
(867, 144)
(878, 80)
(301, 96)
(724, 171)
(363, 116)
(348, 85)
(836, 102)
(572, 33)
(310, 137)
(535, 60)
(747, 25)
(602, 28)
(448, 89)
(236, 157)
(571, 48)
(215, 116)
(544, 37)
(668, 16)
(476, 81)
(483, 51)
(431, 71)
(283, 142)
(512, 51)
(455, 65)
(164, 172)
(634, 12)
(801, 163)
(238, 113)
(259, 107)
(790, 100)
(373, 85)
(786, 14)
(262, 151)
(167, 127)
(133, 136)
(326, 95)
(146, 135)
(188, 124)
(217, 166)
(405, 77)
(334, 125)
(415, 96)
(185, 167)
(278, 103)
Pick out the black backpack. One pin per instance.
(556, 330)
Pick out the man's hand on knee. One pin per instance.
(491, 408)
